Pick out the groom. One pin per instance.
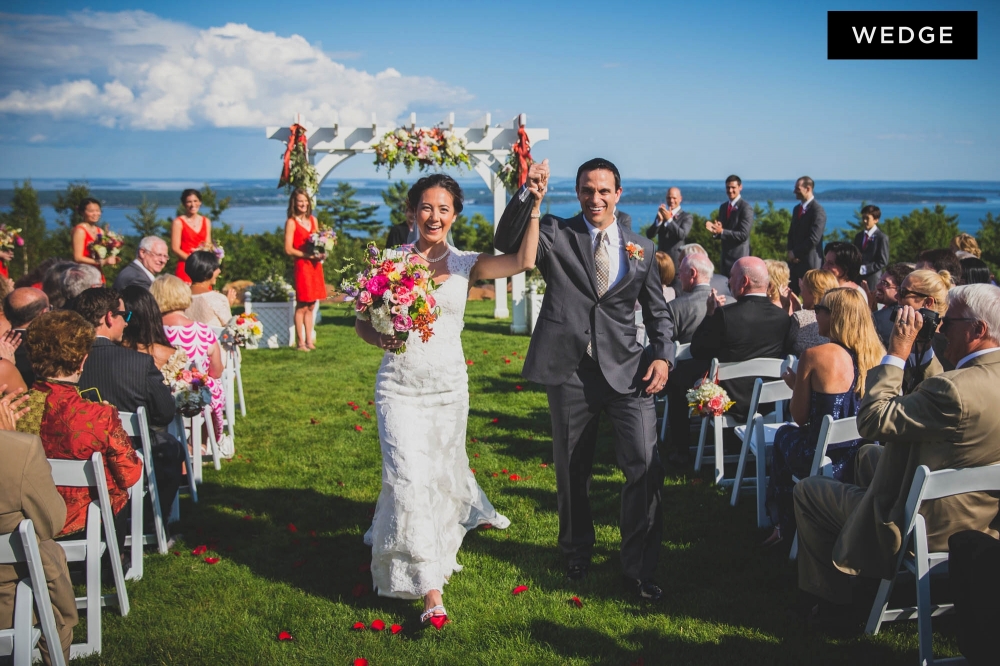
(584, 350)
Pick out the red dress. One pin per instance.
(87, 240)
(3, 270)
(190, 241)
(310, 285)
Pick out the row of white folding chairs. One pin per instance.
(232, 378)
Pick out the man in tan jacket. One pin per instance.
(950, 420)
(27, 491)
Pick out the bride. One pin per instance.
(429, 496)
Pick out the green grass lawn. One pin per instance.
(286, 517)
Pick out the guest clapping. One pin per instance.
(87, 232)
(207, 305)
(190, 231)
(310, 285)
(803, 333)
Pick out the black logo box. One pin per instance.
(902, 35)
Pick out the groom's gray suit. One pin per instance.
(580, 387)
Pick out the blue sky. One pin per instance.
(666, 90)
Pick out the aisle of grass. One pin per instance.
(286, 518)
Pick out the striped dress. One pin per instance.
(195, 340)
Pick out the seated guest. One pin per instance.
(941, 260)
(949, 421)
(144, 332)
(52, 283)
(830, 381)
(965, 246)
(720, 283)
(923, 289)
(151, 260)
(844, 261)
(29, 494)
(72, 427)
(21, 307)
(667, 275)
(207, 305)
(778, 290)
(887, 295)
(78, 278)
(976, 271)
(193, 337)
(803, 331)
(687, 311)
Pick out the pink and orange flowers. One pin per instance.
(635, 251)
(191, 392)
(395, 293)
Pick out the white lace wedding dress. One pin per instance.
(429, 496)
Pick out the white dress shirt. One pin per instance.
(144, 270)
(869, 233)
(898, 362)
(805, 205)
(617, 263)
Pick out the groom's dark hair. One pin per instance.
(599, 163)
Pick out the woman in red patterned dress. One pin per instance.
(310, 285)
(86, 233)
(189, 231)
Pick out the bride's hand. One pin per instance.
(389, 342)
(538, 179)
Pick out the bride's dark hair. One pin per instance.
(441, 180)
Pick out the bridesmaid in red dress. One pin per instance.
(189, 231)
(310, 285)
(86, 233)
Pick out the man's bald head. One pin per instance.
(24, 304)
(748, 275)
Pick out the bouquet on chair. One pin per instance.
(191, 392)
(708, 399)
(107, 244)
(395, 293)
(242, 330)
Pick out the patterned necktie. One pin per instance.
(603, 270)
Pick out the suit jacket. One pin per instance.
(27, 492)
(687, 311)
(671, 235)
(127, 379)
(572, 314)
(949, 421)
(22, 360)
(132, 274)
(735, 233)
(874, 257)
(805, 237)
(752, 327)
(397, 235)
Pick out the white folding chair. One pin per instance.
(177, 429)
(914, 557)
(764, 393)
(193, 425)
(20, 640)
(228, 380)
(831, 432)
(682, 352)
(758, 367)
(90, 474)
(136, 425)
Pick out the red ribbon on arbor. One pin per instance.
(297, 135)
(523, 151)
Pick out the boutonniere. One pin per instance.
(634, 251)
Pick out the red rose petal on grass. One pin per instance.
(211, 560)
(515, 477)
(495, 474)
(359, 590)
(298, 563)
(285, 636)
(473, 440)
(340, 484)
(358, 428)
(506, 360)
(365, 414)
(312, 533)
(378, 625)
(365, 567)
(485, 352)
(354, 407)
(360, 661)
(486, 526)
(519, 589)
(496, 420)
(247, 517)
(176, 552)
(518, 387)
(543, 465)
(359, 626)
(198, 550)
(576, 602)
(292, 528)
(370, 402)
(472, 469)
(313, 421)
(469, 362)
(439, 621)
(395, 629)
(503, 471)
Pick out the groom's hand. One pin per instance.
(656, 376)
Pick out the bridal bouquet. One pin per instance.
(321, 243)
(191, 392)
(395, 293)
(243, 329)
(10, 238)
(107, 244)
(708, 399)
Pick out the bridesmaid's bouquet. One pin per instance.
(395, 293)
(107, 244)
(242, 330)
(10, 238)
(708, 399)
(191, 392)
(321, 243)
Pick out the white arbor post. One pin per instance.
(488, 149)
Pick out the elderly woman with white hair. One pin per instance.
(78, 278)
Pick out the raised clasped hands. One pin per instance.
(538, 179)
(715, 300)
(664, 214)
(714, 227)
(904, 332)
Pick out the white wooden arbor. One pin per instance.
(488, 149)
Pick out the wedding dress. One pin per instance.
(429, 496)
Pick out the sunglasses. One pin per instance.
(906, 293)
(124, 314)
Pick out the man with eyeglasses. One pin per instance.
(151, 260)
(949, 420)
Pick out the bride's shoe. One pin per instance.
(437, 620)
(500, 522)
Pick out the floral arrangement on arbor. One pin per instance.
(708, 399)
(297, 171)
(272, 290)
(191, 392)
(107, 244)
(395, 293)
(243, 329)
(421, 148)
(514, 172)
(10, 238)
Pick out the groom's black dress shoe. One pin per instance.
(647, 590)
(577, 571)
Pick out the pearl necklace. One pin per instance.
(436, 259)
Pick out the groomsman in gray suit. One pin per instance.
(733, 225)
(671, 226)
(805, 234)
(584, 351)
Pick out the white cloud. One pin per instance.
(37, 138)
(135, 69)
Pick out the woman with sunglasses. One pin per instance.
(145, 334)
(830, 381)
